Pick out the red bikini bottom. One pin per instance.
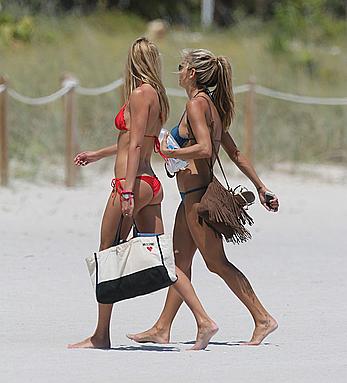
(152, 181)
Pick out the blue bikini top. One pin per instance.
(175, 133)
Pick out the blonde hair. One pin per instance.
(214, 72)
(144, 66)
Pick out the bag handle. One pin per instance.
(118, 232)
(214, 151)
(117, 238)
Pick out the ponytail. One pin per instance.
(214, 72)
(223, 95)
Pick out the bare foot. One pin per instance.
(91, 342)
(153, 335)
(261, 331)
(205, 333)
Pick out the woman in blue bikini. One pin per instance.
(199, 71)
(136, 190)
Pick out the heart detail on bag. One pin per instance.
(150, 248)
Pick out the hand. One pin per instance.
(274, 203)
(163, 145)
(85, 158)
(127, 205)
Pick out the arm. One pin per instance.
(203, 146)
(85, 158)
(240, 160)
(247, 169)
(139, 110)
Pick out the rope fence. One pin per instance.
(261, 90)
(70, 88)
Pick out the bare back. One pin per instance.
(153, 125)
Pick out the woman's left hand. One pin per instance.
(127, 205)
(274, 203)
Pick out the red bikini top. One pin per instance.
(119, 120)
(120, 124)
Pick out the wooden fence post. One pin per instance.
(70, 122)
(3, 133)
(249, 119)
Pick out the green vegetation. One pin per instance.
(15, 30)
(94, 49)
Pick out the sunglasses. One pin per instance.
(180, 67)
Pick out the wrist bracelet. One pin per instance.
(127, 197)
(127, 192)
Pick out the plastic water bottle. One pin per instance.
(173, 165)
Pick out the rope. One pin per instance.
(103, 89)
(182, 93)
(71, 83)
(176, 92)
(67, 86)
(241, 88)
(299, 99)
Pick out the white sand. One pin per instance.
(296, 263)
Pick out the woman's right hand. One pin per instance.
(85, 158)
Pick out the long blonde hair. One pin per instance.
(144, 66)
(214, 72)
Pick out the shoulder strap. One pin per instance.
(212, 142)
(179, 122)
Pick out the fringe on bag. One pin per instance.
(220, 210)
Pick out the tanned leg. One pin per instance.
(206, 326)
(211, 248)
(110, 221)
(184, 248)
(182, 289)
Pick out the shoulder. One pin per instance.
(142, 94)
(197, 105)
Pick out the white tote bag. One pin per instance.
(136, 267)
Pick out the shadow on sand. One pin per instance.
(230, 344)
(146, 347)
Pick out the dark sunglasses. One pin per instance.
(180, 67)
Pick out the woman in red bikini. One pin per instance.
(137, 192)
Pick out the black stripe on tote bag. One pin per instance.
(136, 267)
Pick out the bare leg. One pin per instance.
(211, 248)
(217, 262)
(185, 248)
(110, 221)
(206, 326)
(183, 289)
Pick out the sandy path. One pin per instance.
(296, 263)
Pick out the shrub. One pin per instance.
(11, 29)
(308, 21)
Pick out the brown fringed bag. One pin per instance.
(222, 209)
(224, 212)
